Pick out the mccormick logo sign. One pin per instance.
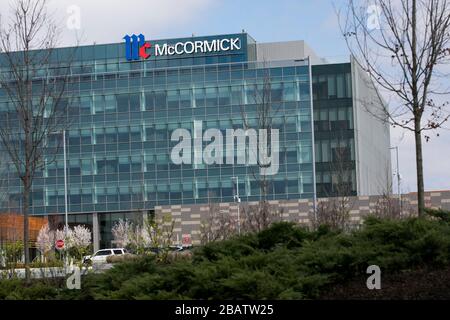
(137, 48)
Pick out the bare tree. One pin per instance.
(218, 225)
(257, 217)
(34, 82)
(331, 213)
(334, 211)
(404, 53)
(159, 230)
(3, 180)
(386, 205)
(266, 108)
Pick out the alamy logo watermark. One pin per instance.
(74, 280)
(253, 147)
(374, 281)
(74, 18)
(373, 17)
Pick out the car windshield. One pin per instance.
(103, 253)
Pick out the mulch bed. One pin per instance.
(417, 284)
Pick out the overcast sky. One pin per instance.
(107, 21)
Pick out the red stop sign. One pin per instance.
(186, 239)
(59, 244)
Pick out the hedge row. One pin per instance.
(282, 262)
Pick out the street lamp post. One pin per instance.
(65, 196)
(238, 200)
(65, 178)
(65, 181)
(398, 179)
(65, 190)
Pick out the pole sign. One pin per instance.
(137, 48)
(59, 244)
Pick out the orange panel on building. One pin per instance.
(11, 227)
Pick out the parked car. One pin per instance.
(101, 255)
(176, 248)
(173, 248)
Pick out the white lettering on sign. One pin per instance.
(235, 44)
(190, 47)
(222, 47)
(209, 46)
(161, 51)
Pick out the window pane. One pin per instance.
(160, 100)
(85, 105)
(99, 104)
(340, 86)
(122, 103)
(288, 92)
(331, 86)
(325, 151)
(110, 103)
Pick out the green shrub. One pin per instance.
(282, 262)
(8, 286)
(396, 244)
(49, 264)
(17, 289)
(236, 247)
(443, 215)
(13, 253)
(281, 233)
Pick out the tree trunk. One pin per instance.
(419, 170)
(417, 112)
(26, 229)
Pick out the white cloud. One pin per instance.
(108, 21)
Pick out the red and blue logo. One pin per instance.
(136, 47)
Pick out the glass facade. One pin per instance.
(334, 138)
(122, 115)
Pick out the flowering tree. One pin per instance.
(121, 233)
(79, 240)
(81, 236)
(139, 238)
(152, 233)
(76, 241)
(65, 235)
(45, 240)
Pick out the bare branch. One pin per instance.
(404, 59)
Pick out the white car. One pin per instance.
(101, 255)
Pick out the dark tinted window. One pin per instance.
(103, 253)
(117, 251)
